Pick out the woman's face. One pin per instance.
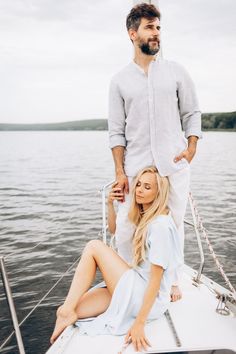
(146, 189)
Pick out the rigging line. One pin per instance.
(29, 249)
(205, 235)
(40, 301)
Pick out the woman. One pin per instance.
(134, 294)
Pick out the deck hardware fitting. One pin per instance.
(222, 309)
(172, 327)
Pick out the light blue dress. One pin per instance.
(163, 249)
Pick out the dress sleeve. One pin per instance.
(159, 245)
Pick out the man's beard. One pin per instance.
(146, 49)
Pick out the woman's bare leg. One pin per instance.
(93, 303)
(112, 267)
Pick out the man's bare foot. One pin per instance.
(175, 293)
(64, 319)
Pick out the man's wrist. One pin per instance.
(192, 140)
(191, 149)
(192, 144)
(120, 171)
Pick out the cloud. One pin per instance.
(201, 35)
(57, 56)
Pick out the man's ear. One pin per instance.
(132, 34)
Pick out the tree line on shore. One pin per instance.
(210, 121)
(219, 121)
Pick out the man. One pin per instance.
(150, 101)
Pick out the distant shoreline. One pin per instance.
(90, 124)
(210, 122)
(94, 130)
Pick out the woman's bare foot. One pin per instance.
(175, 293)
(64, 319)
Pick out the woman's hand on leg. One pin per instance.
(137, 336)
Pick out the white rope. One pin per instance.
(205, 235)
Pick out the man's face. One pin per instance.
(147, 37)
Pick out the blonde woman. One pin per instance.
(134, 294)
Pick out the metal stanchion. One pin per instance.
(11, 305)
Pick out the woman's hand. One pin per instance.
(115, 194)
(137, 336)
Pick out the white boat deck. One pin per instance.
(196, 321)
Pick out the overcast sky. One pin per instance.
(57, 56)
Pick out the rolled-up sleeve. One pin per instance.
(188, 104)
(116, 117)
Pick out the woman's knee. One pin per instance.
(93, 245)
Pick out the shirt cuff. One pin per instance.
(117, 140)
(189, 133)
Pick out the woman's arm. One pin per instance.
(111, 217)
(114, 194)
(151, 293)
(136, 332)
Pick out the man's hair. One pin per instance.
(140, 11)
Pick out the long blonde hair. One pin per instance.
(140, 218)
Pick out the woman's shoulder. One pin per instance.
(163, 243)
(163, 226)
(163, 220)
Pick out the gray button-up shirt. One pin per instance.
(146, 112)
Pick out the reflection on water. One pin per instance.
(49, 186)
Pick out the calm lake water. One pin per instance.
(49, 184)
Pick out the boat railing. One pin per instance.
(10, 300)
(7, 287)
(104, 219)
(11, 305)
(196, 224)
